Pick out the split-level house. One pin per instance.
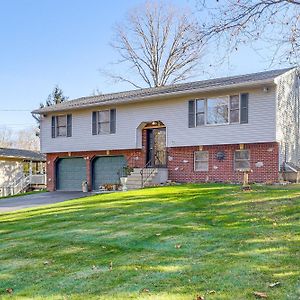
(203, 131)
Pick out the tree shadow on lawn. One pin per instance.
(156, 241)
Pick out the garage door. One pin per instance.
(106, 170)
(70, 172)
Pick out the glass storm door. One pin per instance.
(156, 147)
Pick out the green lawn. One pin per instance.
(164, 243)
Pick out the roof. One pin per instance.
(22, 154)
(170, 90)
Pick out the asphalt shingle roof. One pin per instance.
(141, 94)
(24, 154)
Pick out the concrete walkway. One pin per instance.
(39, 199)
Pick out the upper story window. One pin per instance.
(104, 122)
(61, 126)
(217, 111)
(220, 110)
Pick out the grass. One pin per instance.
(23, 194)
(162, 243)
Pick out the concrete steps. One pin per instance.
(134, 180)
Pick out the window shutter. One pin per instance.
(53, 127)
(69, 125)
(191, 113)
(112, 121)
(244, 108)
(94, 123)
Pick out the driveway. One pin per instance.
(39, 199)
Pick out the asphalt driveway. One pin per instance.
(39, 199)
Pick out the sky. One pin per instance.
(66, 42)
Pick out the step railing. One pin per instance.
(147, 171)
(21, 184)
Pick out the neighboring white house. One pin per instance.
(17, 164)
(200, 131)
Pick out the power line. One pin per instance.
(15, 110)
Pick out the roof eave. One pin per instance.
(160, 96)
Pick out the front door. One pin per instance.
(156, 147)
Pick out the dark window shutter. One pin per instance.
(192, 113)
(94, 123)
(112, 121)
(53, 127)
(244, 108)
(69, 125)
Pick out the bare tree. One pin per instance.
(159, 43)
(22, 139)
(6, 137)
(275, 23)
(27, 139)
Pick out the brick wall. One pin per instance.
(263, 162)
(135, 158)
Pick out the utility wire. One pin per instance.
(15, 110)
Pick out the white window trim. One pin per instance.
(56, 126)
(201, 161)
(205, 111)
(239, 121)
(98, 122)
(249, 159)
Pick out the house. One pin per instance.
(18, 166)
(204, 131)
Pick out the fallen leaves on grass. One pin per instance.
(274, 284)
(260, 295)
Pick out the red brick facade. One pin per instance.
(133, 156)
(263, 160)
(264, 164)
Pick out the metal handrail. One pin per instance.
(150, 171)
(148, 174)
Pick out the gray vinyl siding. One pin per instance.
(287, 118)
(174, 114)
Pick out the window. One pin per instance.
(217, 111)
(231, 109)
(61, 125)
(242, 160)
(200, 112)
(235, 109)
(201, 161)
(103, 122)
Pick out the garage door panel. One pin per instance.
(70, 174)
(106, 170)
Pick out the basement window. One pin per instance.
(201, 161)
(242, 160)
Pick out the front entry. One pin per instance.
(156, 147)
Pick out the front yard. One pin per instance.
(160, 243)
